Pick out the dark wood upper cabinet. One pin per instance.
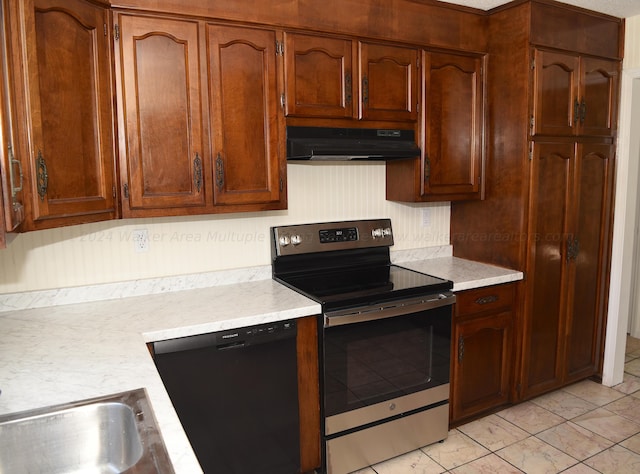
(574, 95)
(451, 166)
(61, 68)
(319, 76)
(329, 77)
(163, 163)
(201, 117)
(599, 85)
(453, 124)
(388, 82)
(247, 121)
(11, 175)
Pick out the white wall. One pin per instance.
(104, 252)
(624, 253)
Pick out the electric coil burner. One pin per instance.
(385, 337)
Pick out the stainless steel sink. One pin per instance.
(112, 434)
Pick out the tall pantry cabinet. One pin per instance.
(552, 94)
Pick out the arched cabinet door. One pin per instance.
(67, 106)
(319, 76)
(592, 223)
(574, 95)
(247, 121)
(599, 79)
(388, 82)
(549, 240)
(453, 122)
(163, 163)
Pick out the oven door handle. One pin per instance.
(388, 309)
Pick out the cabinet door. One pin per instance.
(585, 320)
(598, 96)
(11, 175)
(453, 106)
(68, 106)
(247, 119)
(318, 74)
(162, 157)
(556, 107)
(543, 343)
(388, 82)
(482, 353)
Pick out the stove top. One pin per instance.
(340, 264)
(360, 286)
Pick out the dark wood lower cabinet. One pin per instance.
(481, 351)
(308, 393)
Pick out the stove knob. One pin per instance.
(386, 231)
(376, 233)
(284, 240)
(296, 239)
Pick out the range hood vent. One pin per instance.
(347, 144)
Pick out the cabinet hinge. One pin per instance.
(116, 32)
(532, 122)
(282, 100)
(125, 190)
(533, 63)
(113, 191)
(281, 184)
(530, 151)
(106, 31)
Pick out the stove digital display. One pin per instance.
(348, 234)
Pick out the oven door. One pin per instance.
(385, 361)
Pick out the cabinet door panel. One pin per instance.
(246, 115)
(599, 90)
(555, 106)
(585, 318)
(481, 371)
(11, 175)
(70, 100)
(453, 120)
(318, 74)
(543, 345)
(388, 82)
(162, 104)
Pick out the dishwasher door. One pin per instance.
(236, 394)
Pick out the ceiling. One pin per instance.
(619, 8)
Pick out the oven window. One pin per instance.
(373, 361)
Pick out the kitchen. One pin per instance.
(104, 253)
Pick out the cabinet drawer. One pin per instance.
(484, 299)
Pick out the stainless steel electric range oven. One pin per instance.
(385, 339)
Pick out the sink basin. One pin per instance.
(113, 434)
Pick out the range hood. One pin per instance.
(347, 144)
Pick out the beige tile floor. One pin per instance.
(581, 429)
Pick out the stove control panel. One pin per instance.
(349, 234)
(329, 236)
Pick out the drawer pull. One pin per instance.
(487, 299)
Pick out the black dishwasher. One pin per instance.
(236, 394)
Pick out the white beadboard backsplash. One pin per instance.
(104, 252)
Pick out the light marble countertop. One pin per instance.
(465, 274)
(58, 354)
